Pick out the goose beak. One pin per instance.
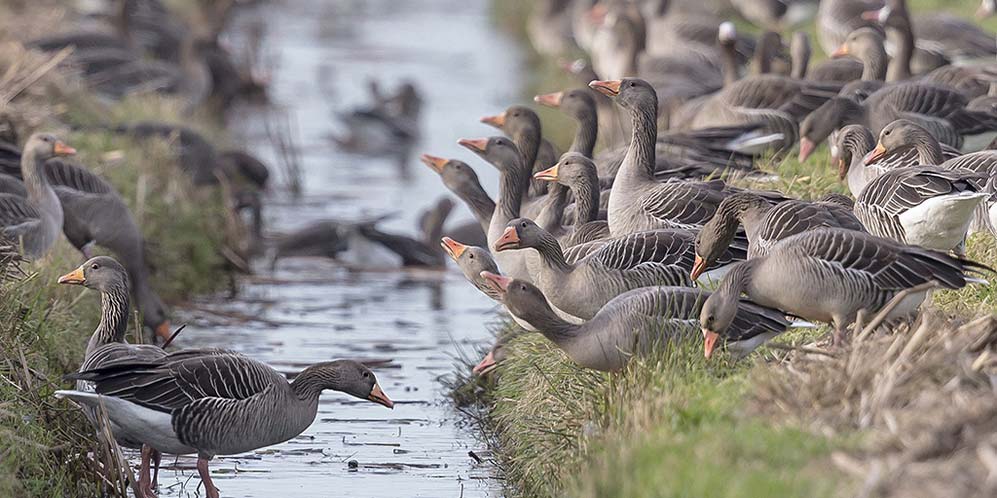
(697, 267)
(842, 169)
(841, 51)
(597, 14)
(61, 149)
(477, 145)
(874, 155)
(807, 147)
(163, 330)
(378, 396)
(434, 162)
(485, 364)
(609, 88)
(509, 240)
(549, 174)
(498, 282)
(452, 247)
(549, 99)
(74, 277)
(879, 15)
(497, 120)
(709, 342)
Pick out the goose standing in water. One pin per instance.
(633, 323)
(213, 403)
(828, 275)
(35, 221)
(107, 345)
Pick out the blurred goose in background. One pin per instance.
(828, 275)
(107, 345)
(987, 9)
(776, 15)
(641, 259)
(549, 27)
(843, 69)
(766, 224)
(35, 222)
(217, 403)
(387, 126)
(633, 323)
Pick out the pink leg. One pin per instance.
(157, 457)
(144, 484)
(202, 469)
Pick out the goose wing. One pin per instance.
(792, 217)
(683, 203)
(65, 175)
(17, 215)
(660, 247)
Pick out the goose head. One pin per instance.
(712, 242)
(818, 125)
(515, 120)
(846, 144)
(578, 103)
(45, 146)
(347, 376)
(101, 273)
(457, 175)
(497, 354)
(520, 233)
(497, 151)
(472, 260)
(572, 169)
(896, 136)
(629, 93)
(521, 298)
(715, 318)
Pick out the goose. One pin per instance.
(107, 344)
(987, 9)
(637, 201)
(828, 275)
(776, 15)
(843, 69)
(461, 179)
(577, 172)
(766, 224)
(387, 126)
(513, 183)
(836, 19)
(943, 38)
(633, 323)
(641, 259)
(217, 403)
(549, 27)
(496, 354)
(522, 125)
(580, 105)
(921, 205)
(35, 222)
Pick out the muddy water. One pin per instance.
(322, 52)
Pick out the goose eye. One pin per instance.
(633, 84)
(470, 256)
(94, 266)
(366, 375)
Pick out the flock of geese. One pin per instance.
(606, 255)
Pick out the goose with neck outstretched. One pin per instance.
(107, 344)
(830, 274)
(634, 323)
(35, 222)
(522, 125)
(641, 259)
(461, 179)
(766, 224)
(578, 173)
(213, 403)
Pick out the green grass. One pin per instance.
(675, 425)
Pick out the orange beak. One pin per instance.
(61, 149)
(476, 145)
(549, 99)
(841, 51)
(74, 277)
(709, 342)
(807, 147)
(486, 363)
(873, 15)
(509, 240)
(610, 88)
(434, 162)
(697, 267)
(378, 396)
(498, 282)
(452, 247)
(163, 330)
(874, 155)
(497, 120)
(597, 14)
(549, 174)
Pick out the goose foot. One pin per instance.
(202, 469)
(839, 337)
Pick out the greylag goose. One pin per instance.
(388, 126)
(776, 15)
(766, 224)
(577, 172)
(461, 179)
(828, 275)
(580, 105)
(549, 27)
(522, 125)
(107, 344)
(633, 323)
(35, 221)
(638, 202)
(850, 147)
(837, 18)
(217, 403)
(496, 354)
(641, 259)
(943, 37)
(513, 183)
(843, 69)
(922, 205)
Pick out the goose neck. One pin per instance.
(513, 184)
(310, 383)
(585, 135)
(114, 307)
(551, 253)
(586, 193)
(929, 151)
(639, 161)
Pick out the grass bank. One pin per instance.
(906, 412)
(44, 326)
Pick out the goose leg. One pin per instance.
(202, 469)
(157, 457)
(144, 484)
